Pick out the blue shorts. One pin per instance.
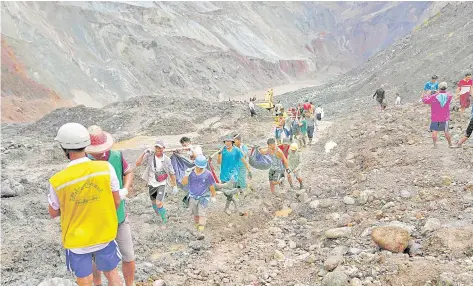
(439, 126)
(106, 259)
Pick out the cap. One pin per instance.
(159, 144)
(294, 146)
(443, 85)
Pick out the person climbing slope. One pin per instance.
(464, 91)
(201, 191)
(101, 149)
(157, 171)
(294, 160)
(88, 218)
(303, 124)
(439, 112)
(278, 163)
(230, 158)
(380, 95)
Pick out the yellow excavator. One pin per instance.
(268, 102)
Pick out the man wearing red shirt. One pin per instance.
(464, 89)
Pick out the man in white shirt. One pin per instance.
(251, 105)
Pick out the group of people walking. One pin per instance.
(89, 193)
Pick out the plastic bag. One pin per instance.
(259, 161)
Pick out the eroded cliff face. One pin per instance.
(95, 53)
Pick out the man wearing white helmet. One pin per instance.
(86, 197)
(294, 161)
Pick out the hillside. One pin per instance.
(440, 46)
(94, 53)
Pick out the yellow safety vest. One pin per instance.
(88, 213)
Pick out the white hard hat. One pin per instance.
(294, 146)
(73, 136)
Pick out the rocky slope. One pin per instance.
(97, 52)
(440, 46)
(381, 171)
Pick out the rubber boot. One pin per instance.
(162, 213)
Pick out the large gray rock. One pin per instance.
(335, 278)
(11, 188)
(338, 232)
(332, 262)
(432, 224)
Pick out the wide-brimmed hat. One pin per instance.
(100, 141)
(228, 138)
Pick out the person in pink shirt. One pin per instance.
(439, 112)
(464, 92)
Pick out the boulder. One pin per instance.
(338, 232)
(332, 262)
(348, 200)
(394, 239)
(432, 224)
(335, 278)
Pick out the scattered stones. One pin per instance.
(338, 232)
(280, 243)
(388, 205)
(159, 283)
(198, 245)
(351, 164)
(405, 194)
(57, 282)
(348, 200)
(302, 221)
(283, 213)
(365, 196)
(278, 255)
(456, 239)
(415, 249)
(304, 197)
(394, 239)
(314, 204)
(292, 244)
(355, 282)
(274, 230)
(332, 262)
(432, 224)
(445, 280)
(326, 203)
(11, 188)
(335, 278)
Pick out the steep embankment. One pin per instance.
(98, 52)
(441, 45)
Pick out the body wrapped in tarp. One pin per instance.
(181, 164)
(258, 160)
